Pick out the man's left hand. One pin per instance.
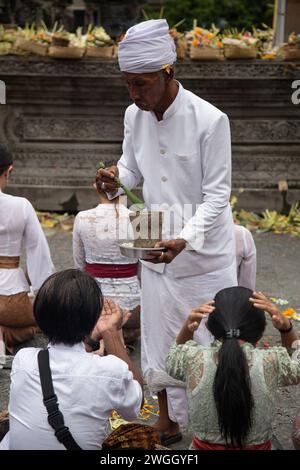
(174, 247)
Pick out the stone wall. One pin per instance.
(62, 117)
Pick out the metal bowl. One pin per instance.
(127, 249)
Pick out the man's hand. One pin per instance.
(259, 300)
(174, 247)
(107, 177)
(197, 314)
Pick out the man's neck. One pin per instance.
(167, 100)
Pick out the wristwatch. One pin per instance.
(95, 345)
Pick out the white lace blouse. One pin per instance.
(269, 369)
(95, 240)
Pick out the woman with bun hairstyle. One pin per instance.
(232, 383)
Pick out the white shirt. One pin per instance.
(20, 228)
(87, 386)
(245, 257)
(185, 159)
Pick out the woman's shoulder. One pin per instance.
(273, 357)
(278, 350)
(24, 359)
(87, 212)
(110, 366)
(193, 347)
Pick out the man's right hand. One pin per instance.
(107, 177)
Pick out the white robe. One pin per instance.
(20, 228)
(185, 159)
(245, 257)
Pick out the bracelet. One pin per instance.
(288, 330)
(95, 345)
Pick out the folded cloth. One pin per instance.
(158, 380)
(147, 47)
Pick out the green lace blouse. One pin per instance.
(269, 369)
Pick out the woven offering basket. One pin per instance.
(181, 48)
(67, 224)
(290, 52)
(7, 48)
(31, 46)
(116, 50)
(236, 52)
(206, 53)
(59, 41)
(59, 52)
(101, 52)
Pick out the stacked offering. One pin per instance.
(205, 44)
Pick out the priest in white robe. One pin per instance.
(19, 228)
(180, 145)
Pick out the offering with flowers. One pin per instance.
(264, 43)
(99, 43)
(65, 45)
(33, 39)
(205, 44)
(7, 40)
(239, 45)
(179, 39)
(291, 49)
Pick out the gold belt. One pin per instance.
(9, 262)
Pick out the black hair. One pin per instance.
(6, 159)
(232, 386)
(3, 169)
(67, 306)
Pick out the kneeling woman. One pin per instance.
(96, 251)
(231, 384)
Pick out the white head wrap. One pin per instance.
(147, 47)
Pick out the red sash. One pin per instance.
(202, 445)
(112, 270)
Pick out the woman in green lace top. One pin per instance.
(231, 384)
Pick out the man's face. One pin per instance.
(145, 89)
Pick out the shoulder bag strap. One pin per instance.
(55, 416)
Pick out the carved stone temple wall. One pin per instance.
(63, 117)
